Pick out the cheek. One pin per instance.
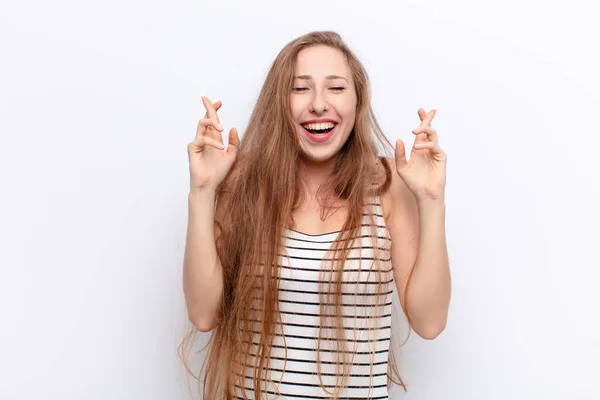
(346, 104)
(297, 106)
(349, 111)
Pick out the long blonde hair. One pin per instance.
(255, 203)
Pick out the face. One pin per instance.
(323, 102)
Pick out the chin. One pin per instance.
(317, 159)
(319, 153)
(319, 156)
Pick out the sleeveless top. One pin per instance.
(366, 316)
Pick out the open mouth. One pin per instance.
(319, 129)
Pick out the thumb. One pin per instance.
(400, 154)
(233, 142)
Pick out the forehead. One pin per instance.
(321, 61)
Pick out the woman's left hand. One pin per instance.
(425, 171)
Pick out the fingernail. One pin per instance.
(220, 127)
(222, 146)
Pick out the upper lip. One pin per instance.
(319, 121)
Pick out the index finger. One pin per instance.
(210, 109)
(216, 105)
(426, 120)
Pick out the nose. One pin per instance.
(318, 103)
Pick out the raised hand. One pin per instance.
(425, 171)
(209, 160)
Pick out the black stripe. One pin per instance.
(300, 396)
(291, 371)
(340, 240)
(322, 362)
(325, 327)
(349, 248)
(328, 315)
(335, 259)
(322, 338)
(313, 234)
(310, 303)
(335, 270)
(325, 293)
(334, 282)
(332, 232)
(313, 397)
(310, 384)
(309, 396)
(325, 350)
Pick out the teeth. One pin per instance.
(319, 127)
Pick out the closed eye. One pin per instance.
(299, 89)
(338, 88)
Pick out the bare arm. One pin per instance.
(202, 271)
(419, 252)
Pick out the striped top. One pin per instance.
(366, 316)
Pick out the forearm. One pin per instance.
(428, 293)
(202, 272)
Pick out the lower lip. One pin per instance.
(320, 138)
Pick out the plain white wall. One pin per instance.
(98, 101)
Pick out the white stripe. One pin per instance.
(307, 252)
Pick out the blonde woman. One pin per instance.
(298, 232)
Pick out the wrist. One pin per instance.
(202, 193)
(431, 204)
(430, 201)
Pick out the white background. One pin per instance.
(98, 101)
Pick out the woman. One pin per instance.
(297, 233)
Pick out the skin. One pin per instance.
(414, 211)
(323, 88)
(414, 208)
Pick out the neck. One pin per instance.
(313, 174)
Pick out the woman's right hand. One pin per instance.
(208, 159)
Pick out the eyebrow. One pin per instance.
(327, 77)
